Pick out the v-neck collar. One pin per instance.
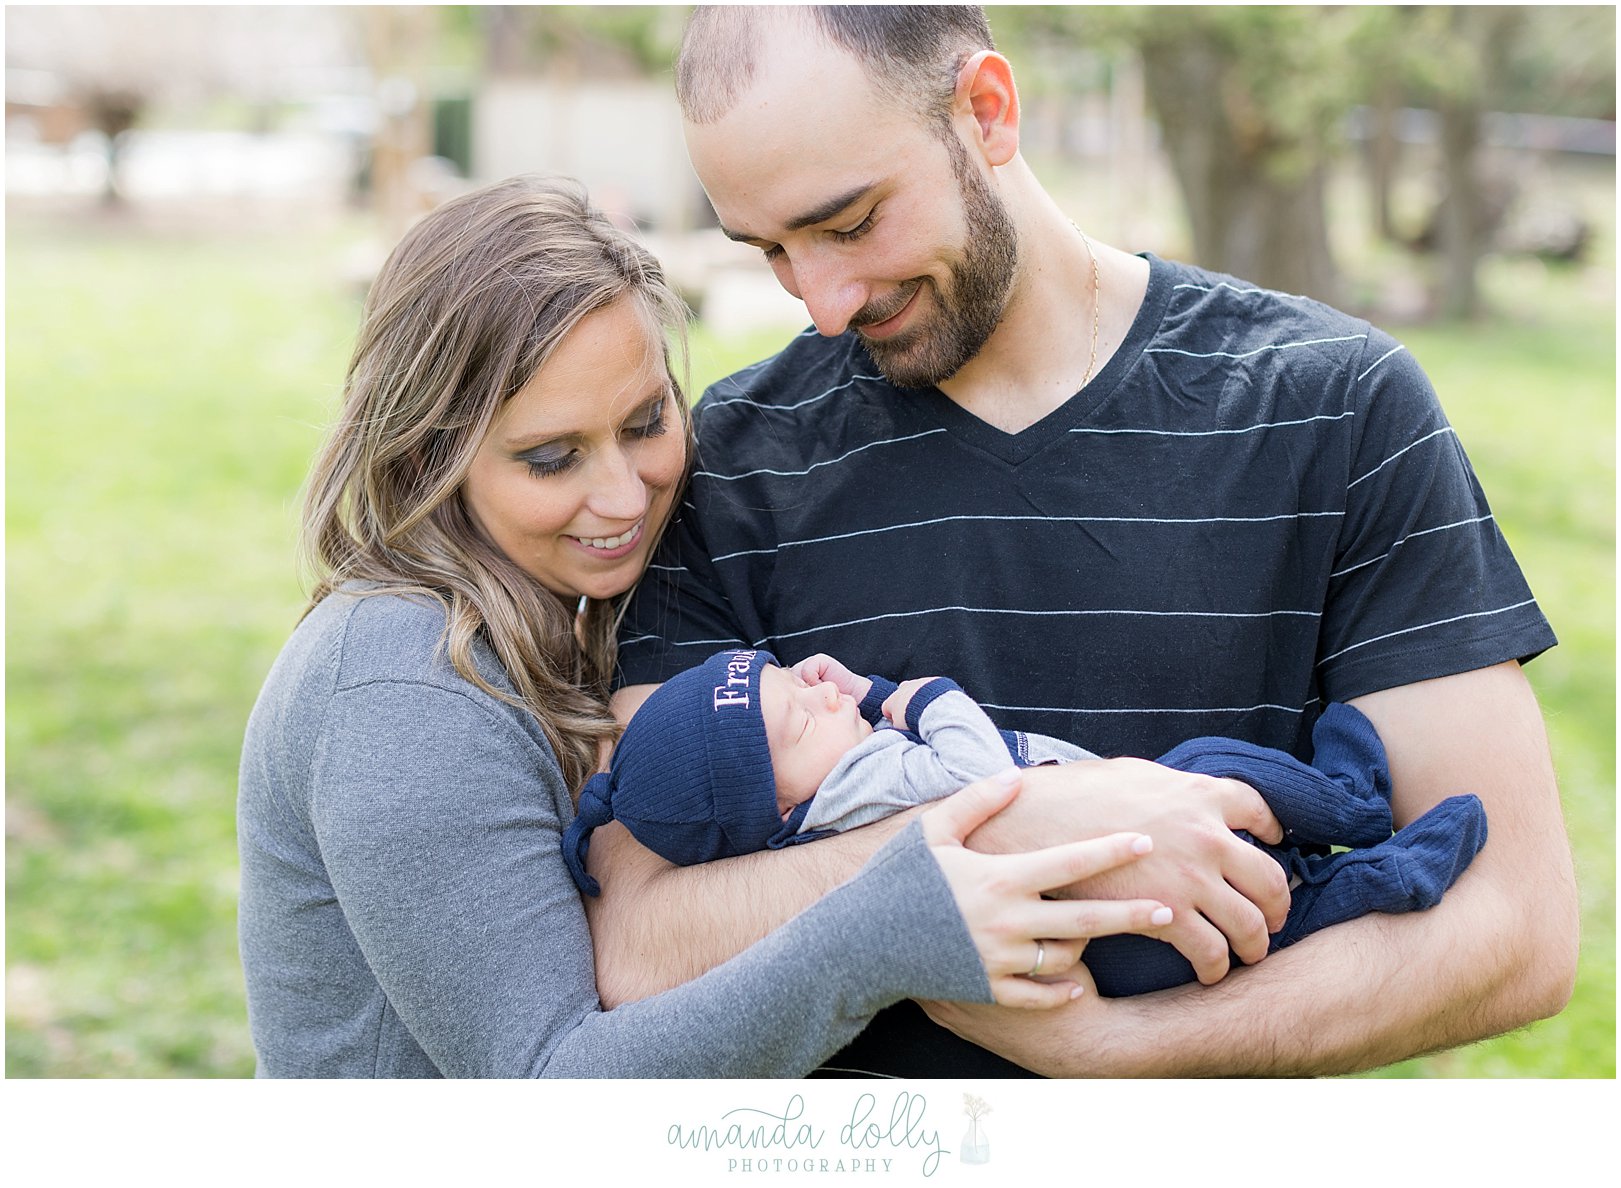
(1015, 448)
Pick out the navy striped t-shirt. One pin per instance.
(1255, 508)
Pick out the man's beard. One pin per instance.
(967, 315)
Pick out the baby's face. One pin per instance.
(809, 728)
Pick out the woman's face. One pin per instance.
(579, 469)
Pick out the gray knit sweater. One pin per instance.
(405, 909)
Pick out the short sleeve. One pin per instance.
(1424, 584)
(679, 613)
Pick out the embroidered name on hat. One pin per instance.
(736, 689)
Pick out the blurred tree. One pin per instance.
(1251, 104)
(1472, 53)
(1248, 101)
(109, 62)
(1466, 63)
(117, 63)
(1386, 36)
(632, 40)
(1562, 62)
(399, 43)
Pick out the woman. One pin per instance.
(509, 447)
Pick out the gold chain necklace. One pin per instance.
(1097, 303)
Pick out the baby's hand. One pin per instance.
(896, 704)
(813, 670)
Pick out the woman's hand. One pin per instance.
(813, 670)
(1020, 935)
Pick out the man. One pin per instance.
(1119, 500)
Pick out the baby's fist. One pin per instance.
(813, 670)
(896, 704)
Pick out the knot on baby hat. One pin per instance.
(691, 777)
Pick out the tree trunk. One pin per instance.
(398, 46)
(1460, 219)
(1384, 150)
(1470, 211)
(1255, 200)
(113, 113)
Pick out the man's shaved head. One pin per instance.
(911, 53)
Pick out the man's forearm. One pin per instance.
(657, 925)
(1497, 952)
(1357, 996)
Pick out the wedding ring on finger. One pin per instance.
(1041, 955)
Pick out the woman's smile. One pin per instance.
(613, 546)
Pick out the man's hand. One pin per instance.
(1497, 952)
(813, 670)
(1224, 892)
(1003, 907)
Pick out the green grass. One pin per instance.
(164, 396)
(1533, 399)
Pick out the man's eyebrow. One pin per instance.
(817, 214)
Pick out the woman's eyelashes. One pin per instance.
(545, 465)
(545, 462)
(655, 425)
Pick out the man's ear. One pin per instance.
(985, 90)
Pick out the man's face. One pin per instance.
(866, 213)
(960, 316)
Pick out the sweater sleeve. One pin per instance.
(439, 822)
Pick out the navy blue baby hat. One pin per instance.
(691, 777)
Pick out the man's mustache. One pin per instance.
(874, 312)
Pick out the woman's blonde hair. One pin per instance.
(465, 312)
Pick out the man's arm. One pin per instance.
(1498, 952)
(657, 925)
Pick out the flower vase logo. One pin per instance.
(976, 1147)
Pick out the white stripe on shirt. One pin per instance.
(789, 407)
(1398, 454)
(1279, 346)
(1392, 351)
(1199, 709)
(991, 610)
(1244, 292)
(1503, 610)
(1397, 544)
(727, 478)
(1028, 519)
(1221, 432)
